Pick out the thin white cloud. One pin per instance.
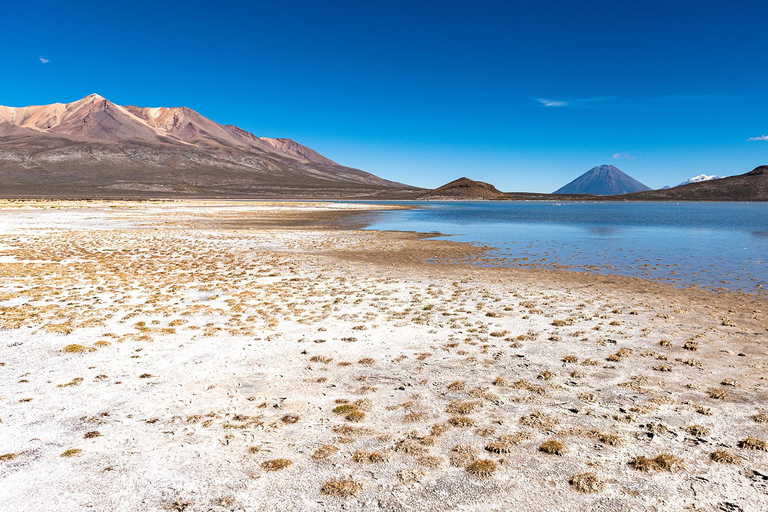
(762, 137)
(616, 156)
(44, 60)
(552, 103)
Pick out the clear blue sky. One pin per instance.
(526, 95)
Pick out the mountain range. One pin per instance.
(93, 148)
(603, 180)
(96, 148)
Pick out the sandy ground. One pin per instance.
(263, 356)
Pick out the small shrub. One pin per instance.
(71, 452)
(92, 434)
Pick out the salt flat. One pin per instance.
(243, 356)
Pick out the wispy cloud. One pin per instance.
(44, 60)
(670, 102)
(552, 103)
(762, 137)
(575, 102)
(617, 156)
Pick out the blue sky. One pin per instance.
(526, 95)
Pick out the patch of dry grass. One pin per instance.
(276, 464)
(482, 468)
(587, 483)
(342, 488)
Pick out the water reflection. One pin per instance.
(604, 231)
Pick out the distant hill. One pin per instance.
(752, 186)
(95, 148)
(603, 180)
(699, 178)
(464, 189)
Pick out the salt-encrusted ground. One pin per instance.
(195, 356)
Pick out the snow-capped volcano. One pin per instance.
(700, 178)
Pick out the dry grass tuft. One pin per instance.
(71, 452)
(461, 421)
(760, 418)
(753, 443)
(462, 407)
(351, 412)
(7, 457)
(587, 483)
(717, 393)
(290, 418)
(75, 349)
(342, 488)
(92, 434)
(375, 457)
(553, 447)
(723, 457)
(482, 468)
(662, 462)
(324, 452)
(697, 430)
(276, 464)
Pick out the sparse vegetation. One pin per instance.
(662, 462)
(552, 447)
(587, 483)
(342, 488)
(276, 464)
(482, 468)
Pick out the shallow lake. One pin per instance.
(711, 245)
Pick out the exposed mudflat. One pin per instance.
(258, 356)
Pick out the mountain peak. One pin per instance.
(603, 180)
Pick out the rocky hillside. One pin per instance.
(752, 186)
(464, 189)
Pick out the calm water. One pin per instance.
(712, 245)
